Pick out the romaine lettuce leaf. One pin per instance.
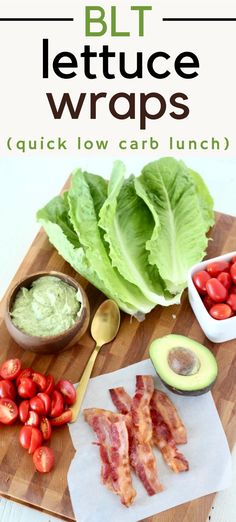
(84, 217)
(205, 199)
(54, 218)
(178, 239)
(128, 225)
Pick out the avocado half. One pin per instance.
(183, 365)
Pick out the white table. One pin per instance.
(26, 185)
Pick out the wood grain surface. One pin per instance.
(18, 478)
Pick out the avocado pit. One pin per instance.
(183, 361)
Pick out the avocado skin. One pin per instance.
(193, 393)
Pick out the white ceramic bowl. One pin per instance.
(216, 331)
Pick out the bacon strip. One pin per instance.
(167, 410)
(118, 454)
(142, 458)
(105, 468)
(140, 409)
(91, 414)
(121, 399)
(165, 442)
(114, 452)
(144, 464)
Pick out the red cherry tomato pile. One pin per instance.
(217, 288)
(38, 403)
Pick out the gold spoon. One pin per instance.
(104, 328)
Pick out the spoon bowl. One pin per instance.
(106, 323)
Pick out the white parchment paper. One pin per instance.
(207, 452)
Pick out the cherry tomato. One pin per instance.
(65, 417)
(44, 397)
(36, 439)
(200, 279)
(25, 436)
(231, 301)
(57, 405)
(43, 459)
(208, 302)
(33, 419)
(40, 380)
(45, 427)
(7, 390)
(67, 390)
(220, 311)
(24, 411)
(27, 388)
(27, 372)
(10, 369)
(233, 289)
(50, 384)
(216, 290)
(216, 267)
(30, 438)
(225, 279)
(233, 272)
(36, 404)
(233, 260)
(8, 411)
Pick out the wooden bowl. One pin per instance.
(54, 343)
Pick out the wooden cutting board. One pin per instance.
(18, 479)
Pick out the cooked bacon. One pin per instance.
(142, 458)
(167, 410)
(119, 458)
(91, 414)
(145, 383)
(121, 399)
(105, 468)
(92, 417)
(140, 409)
(125, 438)
(165, 442)
(114, 452)
(143, 461)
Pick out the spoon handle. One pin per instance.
(83, 383)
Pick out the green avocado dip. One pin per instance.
(49, 307)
